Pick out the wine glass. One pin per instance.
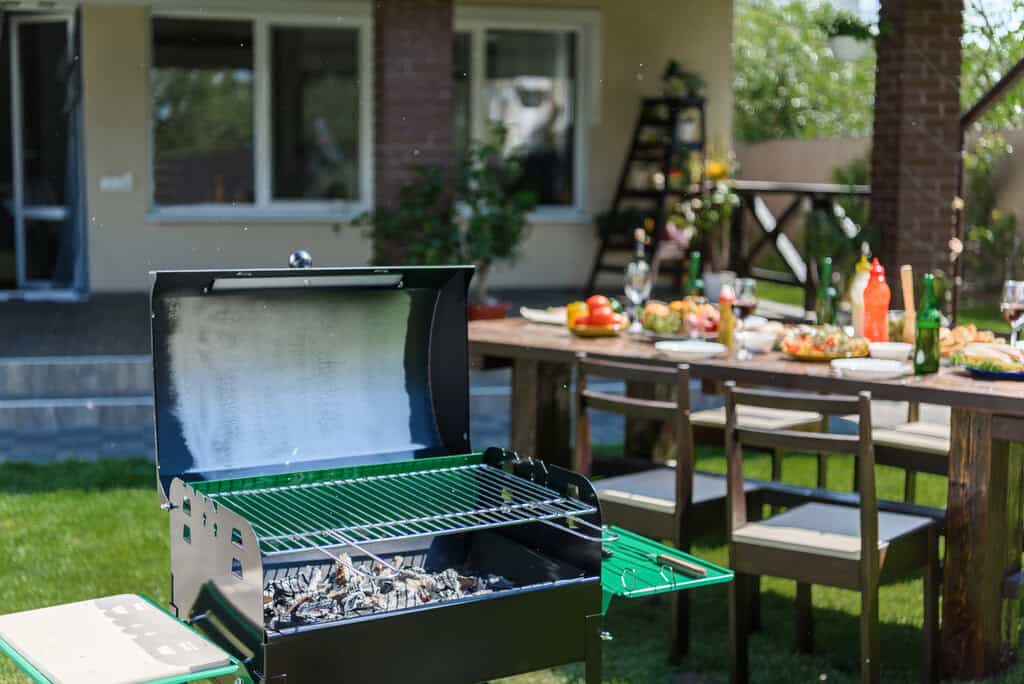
(746, 296)
(1012, 307)
(638, 283)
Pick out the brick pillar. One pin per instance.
(413, 49)
(916, 146)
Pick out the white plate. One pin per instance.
(690, 350)
(871, 369)
(894, 351)
(553, 316)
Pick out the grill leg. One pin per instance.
(592, 649)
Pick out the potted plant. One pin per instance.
(849, 38)
(709, 215)
(494, 212)
(421, 230)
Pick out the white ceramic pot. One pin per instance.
(848, 48)
(713, 283)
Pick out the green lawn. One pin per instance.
(985, 317)
(73, 531)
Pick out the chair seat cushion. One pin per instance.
(825, 529)
(655, 489)
(931, 438)
(756, 417)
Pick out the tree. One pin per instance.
(787, 82)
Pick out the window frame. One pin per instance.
(264, 206)
(585, 24)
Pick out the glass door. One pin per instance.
(45, 237)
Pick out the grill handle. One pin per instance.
(599, 539)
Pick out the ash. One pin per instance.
(344, 592)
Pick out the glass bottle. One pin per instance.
(929, 321)
(827, 299)
(694, 281)
(638, 281)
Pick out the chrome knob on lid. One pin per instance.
(300, 258)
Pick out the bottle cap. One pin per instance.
(727, 295)
(863, 266)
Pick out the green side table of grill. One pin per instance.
(124, 639)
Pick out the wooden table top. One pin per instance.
(517, 338)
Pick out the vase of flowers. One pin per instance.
(708, 215)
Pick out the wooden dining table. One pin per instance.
(983, 581)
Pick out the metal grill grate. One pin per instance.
(397, 506)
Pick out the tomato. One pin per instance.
(602, 315)
(581, 320)
(596, 301)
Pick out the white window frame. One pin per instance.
(265, 208)
(586, 26)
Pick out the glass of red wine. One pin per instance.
(1012, 307)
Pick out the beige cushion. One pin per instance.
(825, 529)
(757, 418)
(930, 438)
(114, 640)
(655, 490)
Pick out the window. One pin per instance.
(202, 84)
(524, 71)
(265, 112)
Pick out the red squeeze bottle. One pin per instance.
(876, 305)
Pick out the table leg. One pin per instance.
(983, 520)
(540, 424)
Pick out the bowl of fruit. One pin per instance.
(680, 319)
(822, 343)
(599, 316)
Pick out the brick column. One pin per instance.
(916, 147)
(413, 49)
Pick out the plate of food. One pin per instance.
(991, 361)
(596, 317)
(822, 343)
(956, 339)
(682, 319)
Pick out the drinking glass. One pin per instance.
(638, 283)
(746, 296)
(1012, 307)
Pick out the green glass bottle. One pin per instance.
(929, 321)
(826, 300)
(694, 281)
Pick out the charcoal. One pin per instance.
(343, 592)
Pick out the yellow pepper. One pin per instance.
(576, 310)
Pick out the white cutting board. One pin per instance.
(114, 640)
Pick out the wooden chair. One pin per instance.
(915, 446)
(661, 502)
(852, 547)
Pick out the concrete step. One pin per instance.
(61, 377)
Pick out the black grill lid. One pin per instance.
(283, 370)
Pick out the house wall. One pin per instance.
(638, 38)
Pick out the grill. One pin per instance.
(328, 519)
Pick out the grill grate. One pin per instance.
(396, 506)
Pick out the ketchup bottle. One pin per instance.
(876, 305)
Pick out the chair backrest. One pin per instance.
(859, 446)
(674, 412)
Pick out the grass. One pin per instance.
(72, 531)
(984, 317)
